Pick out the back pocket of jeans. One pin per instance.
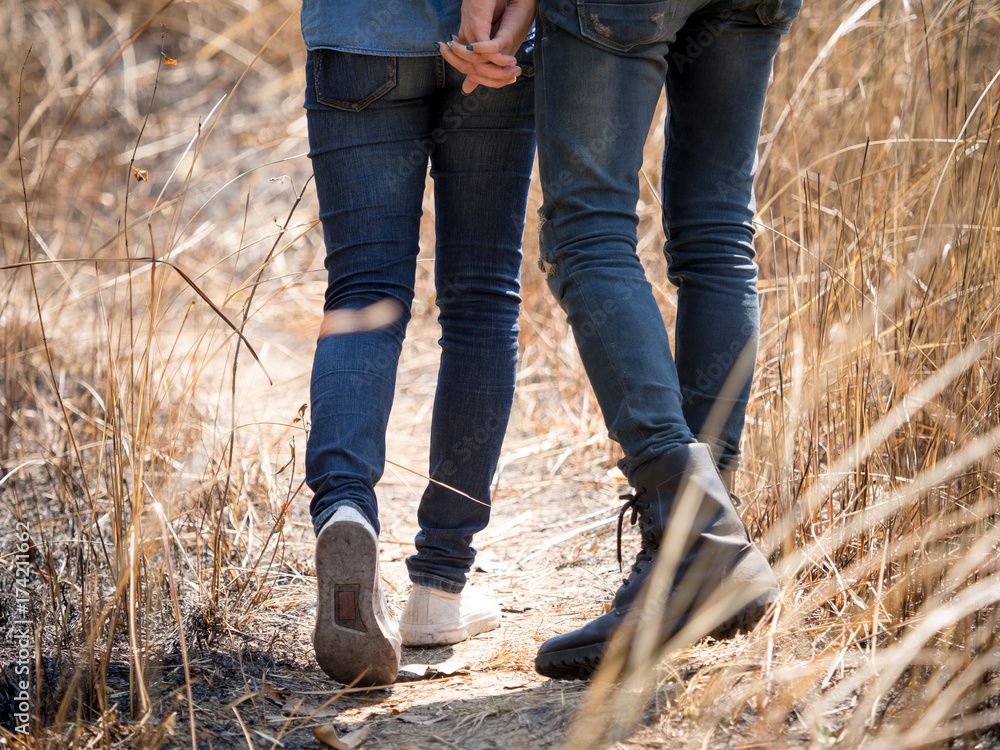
(624, 25)
(349, 81)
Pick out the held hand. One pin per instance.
(480, 18)
(493, 71)
(508, 29)
(490, 34)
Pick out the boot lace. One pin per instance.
(648, 542)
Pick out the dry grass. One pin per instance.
(134, 421)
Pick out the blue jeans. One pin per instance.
(374, 123)
(599, 71)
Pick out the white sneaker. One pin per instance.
(355, 639)
(435, 617)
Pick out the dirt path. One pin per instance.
(478, 695)
(548, 556)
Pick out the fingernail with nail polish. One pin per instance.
(468, 47)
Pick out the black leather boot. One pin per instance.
(716, 569)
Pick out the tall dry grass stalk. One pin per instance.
(870, 468)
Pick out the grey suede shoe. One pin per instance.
(355, 639)
(718, 570)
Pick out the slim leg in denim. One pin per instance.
(599, 72)
(374, 124)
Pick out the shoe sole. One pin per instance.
(448, 636)
(350, 642)
(581, 663)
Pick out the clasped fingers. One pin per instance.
(482, 63)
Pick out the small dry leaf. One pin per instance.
(449, 668)
(412, 672)
(140, 175)
(276, 696)
(169, 61)
(327, 734)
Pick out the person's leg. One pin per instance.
(695, 552)
(369, 160)
(594, 109)
(369, 119)
(481, 164)
(716, 84)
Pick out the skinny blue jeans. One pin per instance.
(600, 68)
(375, 122)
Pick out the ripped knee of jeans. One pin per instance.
(547, 257)
(546, 267)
